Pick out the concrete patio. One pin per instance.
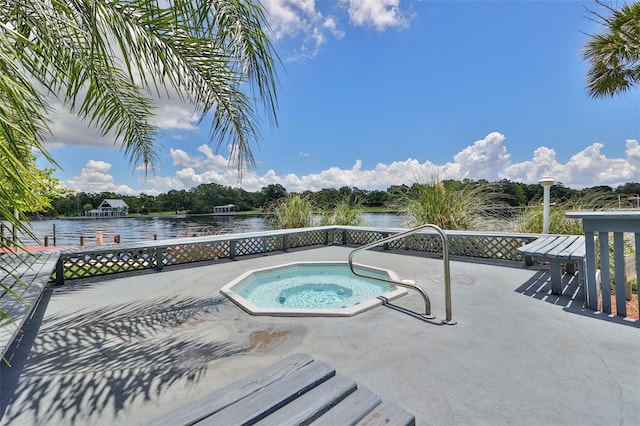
(129, 350)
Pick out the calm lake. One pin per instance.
(143, 228)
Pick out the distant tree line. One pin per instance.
(203, 198)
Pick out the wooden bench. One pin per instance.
(557, 250)
(26, 275)
(296, 390)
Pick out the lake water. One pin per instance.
(144, 228)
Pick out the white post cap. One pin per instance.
(547, 181)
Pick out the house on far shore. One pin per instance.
(227, 208)
(110, 208)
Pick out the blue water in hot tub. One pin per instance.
(312, 286)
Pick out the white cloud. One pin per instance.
(331, 24)
(180, 158)
(483, 158)
(290, 18)
(303, 22)
(94, 177)
(633, 152)
(588, 167)
(380, 14)
(300, 18)
(176, 116)
(543, 164)
(68, 129)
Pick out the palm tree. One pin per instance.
(105, 60)
(614, 56)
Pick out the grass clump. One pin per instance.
(292, 211)
(344, 213)
(451, 204)
(559, 223)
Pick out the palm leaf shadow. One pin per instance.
(107, 358)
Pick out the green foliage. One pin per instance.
(531, 219)
(344, 213)
(292, 211)
(629, 188)
(202, 198)
(614, 55)
(271, 193)
(450, 204)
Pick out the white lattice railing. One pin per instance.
(86, 262)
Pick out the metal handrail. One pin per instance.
(447, 275)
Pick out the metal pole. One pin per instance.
(546, 183)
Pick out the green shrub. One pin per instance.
(559, 223)
(292, 211)
(344, 213)
(452, 205)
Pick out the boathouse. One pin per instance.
(227, 208)
(110, 208)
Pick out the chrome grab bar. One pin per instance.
(447, 275)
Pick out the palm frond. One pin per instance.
(614, 55)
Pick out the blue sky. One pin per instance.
(376, 93)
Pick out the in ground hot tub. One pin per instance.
(311, 289)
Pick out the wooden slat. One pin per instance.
(312, 404)
(350, 410)
(537, 245)
(388, 414)
(562, 247)
(576, 246)
(269, 399)
(215, 401)
(552, 246)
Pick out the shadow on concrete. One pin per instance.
(572, 299)
(101, 360)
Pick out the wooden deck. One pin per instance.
(297, 390)
(26, 276)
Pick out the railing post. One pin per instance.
(344, 237)
(590, 253)
(159, 258)
(285, 242)
(59, 271)
(618, 261)
(605, 272)
(385, 246)
(326, 237)
(232, 249)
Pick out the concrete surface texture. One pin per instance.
(129, 350)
